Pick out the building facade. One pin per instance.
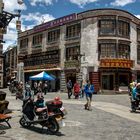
(101, 45)
(10, 64)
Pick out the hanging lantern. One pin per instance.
(3, 30)
(20, 2)
(1, 36)
(18, 25)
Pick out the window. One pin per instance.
(72, 53)
(37, 40)
(138, 54)
(138, 34)
(107, 27)
(73, 31)
(24, 43)
(107, 50)
(123, 28)
(53, 35)
(123, 51)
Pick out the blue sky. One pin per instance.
(35, 12)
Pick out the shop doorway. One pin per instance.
(72, 77)
(123, 79)
(108, 81)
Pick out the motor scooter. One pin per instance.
(44, 118)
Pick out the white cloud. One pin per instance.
(46, 2)
(138, 16)
(37, 17)
(81, 3)
(11, 6)
(122, 2)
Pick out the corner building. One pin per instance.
(102, 45)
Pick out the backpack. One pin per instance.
(69, 86)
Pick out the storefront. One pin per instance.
(46, 61)
(71, 70)
(115, 73)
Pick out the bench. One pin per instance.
(5, 118)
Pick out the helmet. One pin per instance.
(57, 98)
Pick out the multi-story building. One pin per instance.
(10, 64)
(101, 45)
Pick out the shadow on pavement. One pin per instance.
(4, 126)
(43, 131)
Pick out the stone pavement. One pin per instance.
(110, 119)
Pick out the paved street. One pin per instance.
(110, 119)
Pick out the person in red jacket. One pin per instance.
(76, 89)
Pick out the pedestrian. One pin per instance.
(19, 94)
(45, 87)
(89, 89)
(39, 87)
(76, 89)
(83, 83)
(69, 88)
(35, 88)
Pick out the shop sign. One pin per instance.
(56, 22)
(43, 66)
(119, 63)
(72, 64)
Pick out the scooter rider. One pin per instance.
(134, 97)
(40, 103)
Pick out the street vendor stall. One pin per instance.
(42, 76)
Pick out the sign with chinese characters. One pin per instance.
(42, 66)
(56, 22)
(119, 63)
(71, 64)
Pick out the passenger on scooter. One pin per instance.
(135, 91)
(134, 98)
(27, 95)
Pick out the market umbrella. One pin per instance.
(42, 76)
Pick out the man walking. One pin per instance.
(69, 88)
(89, 89)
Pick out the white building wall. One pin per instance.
(62, 57)
(89, 44)
(133, 39)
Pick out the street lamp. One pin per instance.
(6, 17)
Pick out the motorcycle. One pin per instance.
(44, 118)
(135, 104)
(56, 106)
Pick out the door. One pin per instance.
(107, 81)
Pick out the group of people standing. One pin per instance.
(79, 90)
(40, 87)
